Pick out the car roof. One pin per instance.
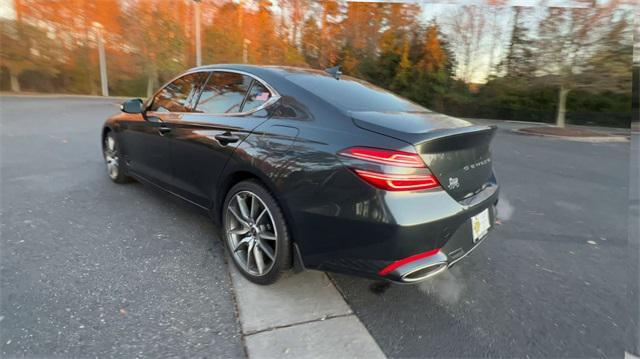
(275, 77)
(261, 70)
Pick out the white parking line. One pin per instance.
(301, 316)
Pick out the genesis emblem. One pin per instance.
(453, 183)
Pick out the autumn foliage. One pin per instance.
(482, 61)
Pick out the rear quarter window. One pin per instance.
(223, 93)
(354, 95)
(257, 96)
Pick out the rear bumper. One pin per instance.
(457, 249)
(361, 236)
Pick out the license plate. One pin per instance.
(480, 224)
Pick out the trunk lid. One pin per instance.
(457, 152)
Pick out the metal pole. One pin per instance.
(198, 45)
(103, 61)
(245, 50)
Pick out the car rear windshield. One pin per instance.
(353, 95)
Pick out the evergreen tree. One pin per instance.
(518, 61)
(403, 73)
(434, 57)
(433, 71)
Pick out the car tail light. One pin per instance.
(391, 181)
(387, 157)
(395, 182)
(393, 266)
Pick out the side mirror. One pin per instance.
(132, 106)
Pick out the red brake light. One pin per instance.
(391, 267)
(387, 157)
(398, 182)
(392, 181)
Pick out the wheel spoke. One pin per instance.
(111, 143)
(245, 240)
(254, 207)
(257, 253)
(261, 215)
(249, 255)
(239, 231)
(267, 250)
(242, 204)
(237, 217)
(268, 236)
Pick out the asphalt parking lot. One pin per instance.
(91, 268)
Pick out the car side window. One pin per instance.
(258, 95)
(223, 93)
(178, 95)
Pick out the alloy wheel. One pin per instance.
(251, 233)
(111, 156)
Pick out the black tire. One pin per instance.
(111, 153)
(282, 261)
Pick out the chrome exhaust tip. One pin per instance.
(424, 272)
(420, 270)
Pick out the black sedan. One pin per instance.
(311, 169)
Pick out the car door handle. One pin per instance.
(227, 138)
(163, 129)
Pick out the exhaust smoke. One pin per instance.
(505, 209)
(447, 286)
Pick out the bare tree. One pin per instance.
(496, 39)
(586, 49)
(297, 11)
(466, 32)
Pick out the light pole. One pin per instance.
(245, 50)
(197, 22)
(102, 59)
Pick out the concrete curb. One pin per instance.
(594, 139)
(301, 316)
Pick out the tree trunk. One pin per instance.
(15, 82)
(323, 32)
(150, 86)
(562, 105)
(153, 76)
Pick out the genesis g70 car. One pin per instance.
(312, 170)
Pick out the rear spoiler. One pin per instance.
(451, 139)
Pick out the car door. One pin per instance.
(229, 106)
(147, 144)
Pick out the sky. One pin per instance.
(6, 9)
